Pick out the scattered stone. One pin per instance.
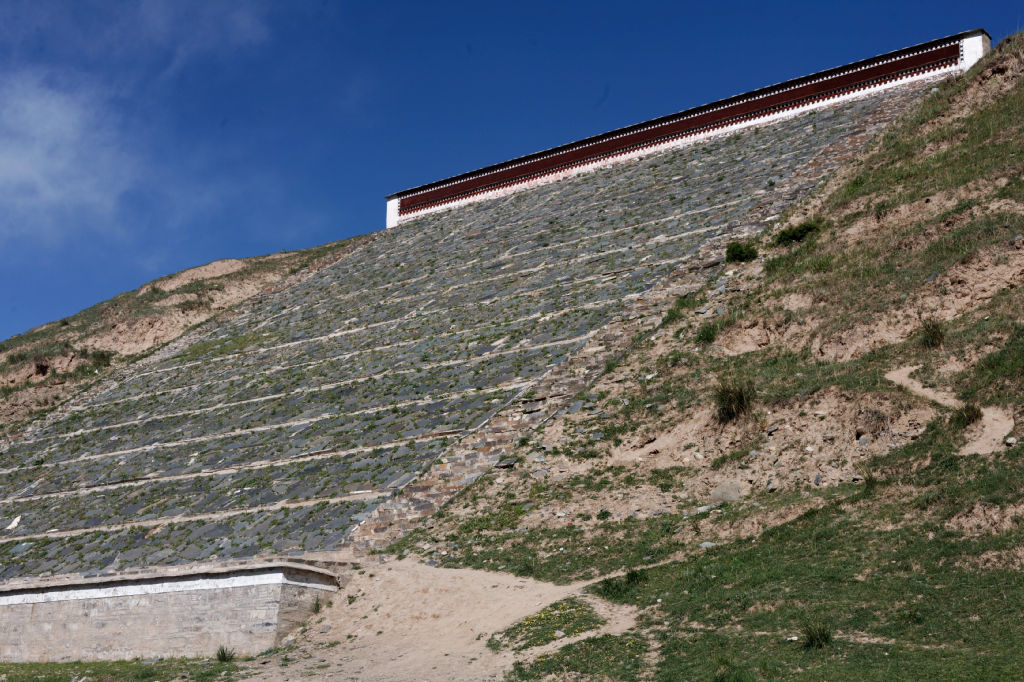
(729, 491)
(507, 463)
(707, 545)
(817, 479)
(1011, 441)
(864, 440)
(559, 634)
(325, 629)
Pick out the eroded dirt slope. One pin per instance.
(46, 366)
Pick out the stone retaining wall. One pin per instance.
(189, 611)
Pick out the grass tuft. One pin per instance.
(797, 233)
(708, 332)
(224, 654)
(620, 589)
(817, 634)
(932, 334)
(733, 399)
(964, 417)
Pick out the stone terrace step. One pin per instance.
(287, 423)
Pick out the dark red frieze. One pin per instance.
(759, 103)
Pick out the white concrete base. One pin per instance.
(188, 611)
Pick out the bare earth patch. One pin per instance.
(984, 437)
(985, 518)
(962, 289)
(217, 268)
(409, 621)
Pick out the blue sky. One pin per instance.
(142, 138)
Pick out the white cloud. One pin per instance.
(64, 161)
(76, 153)
(97, 31)
(194, 29)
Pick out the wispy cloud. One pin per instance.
(64, 159)
(78, 153)
(194, 29)
(98, 30)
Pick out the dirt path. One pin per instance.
(409, 621)
(984, 437)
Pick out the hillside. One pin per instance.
(46, 366)
(743, 409)
(292, 425)
(812, 468)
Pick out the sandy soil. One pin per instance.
(217, 268)
(410, 621)
(984, 437)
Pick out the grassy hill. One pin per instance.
(48, 365)
(777, 499)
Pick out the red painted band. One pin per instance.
(680, 125)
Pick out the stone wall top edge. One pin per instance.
(183, 572)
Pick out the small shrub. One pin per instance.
(225, 655)
(740, 252)
(817, 635)
(733, 399)
(964, 417)
(932, 333)
(604, 515)
(101, 358)
(620, 588)
(317, 606)
(798, 233)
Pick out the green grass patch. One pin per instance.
(219, 347)
(565, 618)
(120, 671)
(682, 303)
(604, 657)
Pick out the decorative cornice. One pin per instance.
(819, 89)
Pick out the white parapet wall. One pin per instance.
(973, 48)
(181, 611)
(392, 218)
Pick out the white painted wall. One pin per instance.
(972, 49)
(391, 219)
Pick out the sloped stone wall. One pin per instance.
(284, 427)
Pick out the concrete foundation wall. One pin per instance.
(248, 610)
